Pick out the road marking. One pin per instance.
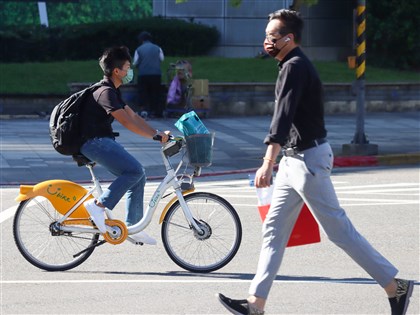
(182, 281)
(8, 213)
(379, 186)
(344, 205)
(395, 189)
(379, 192)
(367, 281)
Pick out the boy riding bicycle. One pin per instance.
(100, 110)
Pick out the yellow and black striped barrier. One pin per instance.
(361, 40)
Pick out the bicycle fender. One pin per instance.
(171, 202)
(62, 194)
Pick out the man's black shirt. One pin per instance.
(299, 110)
(96, 112)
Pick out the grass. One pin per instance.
(53, 77)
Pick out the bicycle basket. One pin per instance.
(200, 149)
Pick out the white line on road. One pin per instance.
(182, 281)
(6, 214)
(379, 186)
(367, 281)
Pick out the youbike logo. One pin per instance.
(154, 199)
(58, 194)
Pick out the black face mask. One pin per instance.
(270, 49)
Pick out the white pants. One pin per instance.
(305, 178)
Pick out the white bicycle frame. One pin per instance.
(170, 180)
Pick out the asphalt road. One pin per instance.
(383, 203)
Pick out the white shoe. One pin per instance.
(143, 237)
(97, 214)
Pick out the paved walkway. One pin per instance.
(28, 157)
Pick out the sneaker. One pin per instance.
(399, 304)
(97, 214)
(238, 307)
(143, 238)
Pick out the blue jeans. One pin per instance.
(130, 180)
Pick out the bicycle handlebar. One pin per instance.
(159, 137)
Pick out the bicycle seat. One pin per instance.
(82, 160)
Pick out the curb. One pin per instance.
(340, 161)
(399, 159)
(379, 160)
(22, 116)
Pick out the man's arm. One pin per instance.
(136, 58)
(133, 122)
(161, 55)
(289, 92)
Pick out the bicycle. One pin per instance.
(201, 232)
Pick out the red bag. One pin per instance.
(306, 229)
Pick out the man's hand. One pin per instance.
(263, 175)
(163, 135)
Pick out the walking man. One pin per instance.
(148, 58)
(298, 132)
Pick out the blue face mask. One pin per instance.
(129, 77)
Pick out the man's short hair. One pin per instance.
(114, 57)
(143, 36)
(292, 22)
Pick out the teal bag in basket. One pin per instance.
(190, 124)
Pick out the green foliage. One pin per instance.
(73, 13)
(87, 41)
(392, 28)
(298, 3)
(18, 13)
(235, 3)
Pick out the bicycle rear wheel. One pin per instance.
(40, 245)
(218, 244)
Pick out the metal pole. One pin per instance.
(359, 137)
(43, 15)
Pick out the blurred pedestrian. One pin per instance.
(298, 131)
(148, 58)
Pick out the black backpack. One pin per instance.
(65, 133)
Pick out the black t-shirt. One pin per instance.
(97, 109)
(299, 109)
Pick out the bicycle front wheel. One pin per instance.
(43, 246)
(218, 241)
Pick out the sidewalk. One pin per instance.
(26, 154)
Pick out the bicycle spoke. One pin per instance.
(35, 241)
(211, 249)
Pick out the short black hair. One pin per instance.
(293, 22)
(114, 57)
(143, 36)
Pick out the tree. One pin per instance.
(72, 13)
(298, 3)
(295, 6)
(392, 33)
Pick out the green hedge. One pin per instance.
(392, 29)
(87, 41)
